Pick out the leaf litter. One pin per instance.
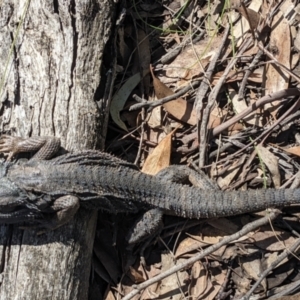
(233, 71)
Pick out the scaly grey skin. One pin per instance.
(47, 193)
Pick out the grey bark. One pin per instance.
(51, 85)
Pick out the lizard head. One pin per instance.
(14, 205)
(10, 195)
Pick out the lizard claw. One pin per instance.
(8, 146)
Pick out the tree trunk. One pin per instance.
(50, 67)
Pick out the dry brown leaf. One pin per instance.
(240, 105)
(252, 52)
(253, 267)
(224, 225)
(160, 157)
(184, 111)
(293, 150)
(192, 61)
(243, 26)
(151, 291)
(209, 291)
(255, 76)
(212, 23)
(173, 284)
(209, 235)
(240, 280)
(199, 280)
(148, 294)
(290, 297)
(155, 136)
(217, 279)
(280, 46)
(142, 58)
(271, 161)
(272, 257)
(200, 238)
(225, 180)
(290, 10)
(250, 15)
(179, 108)
(218, 116)
(188, 245)
(266, 239)
(135, 275)
(219, 253)
(155, 117)
(230, 252)
(109, 295)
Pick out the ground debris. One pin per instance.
(224, 96)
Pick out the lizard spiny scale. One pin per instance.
(97, 180)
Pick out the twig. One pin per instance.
(264, 274)
(284, 117)
(266, 133)
(142, 87)
(262, 101)
(175, 51)
(211, 100)
(222, 294)
(287, 289)
(205, 84)
(246, 229)
(248, 72)
(152, 104)
(276, 62)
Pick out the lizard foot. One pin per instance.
(46, 147)
(183, 174)
(9, 145)
(149, 224)
(65, 208)
(62, 211)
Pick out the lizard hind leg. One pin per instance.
(184, 174)
(62, 211)
(149, 224)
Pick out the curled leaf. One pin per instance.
(120, 97)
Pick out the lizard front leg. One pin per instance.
(46, 147)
